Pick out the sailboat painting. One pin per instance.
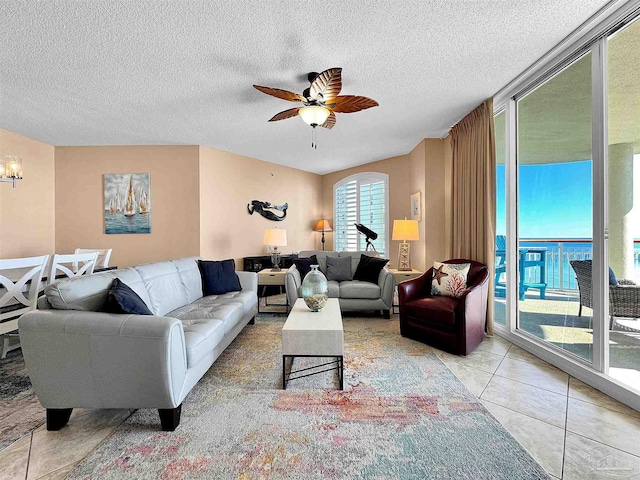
(127, 203)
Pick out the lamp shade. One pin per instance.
(405, 230)
(275, 237)
(313, 114)
(323, 226)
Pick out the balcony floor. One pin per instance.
(555, 320)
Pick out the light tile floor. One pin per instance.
(571, 429)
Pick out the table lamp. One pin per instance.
(323, 226)
(405, 231)
(274, 238)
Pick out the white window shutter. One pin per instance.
(361, 198)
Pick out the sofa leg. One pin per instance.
(57, 418)
(170, 418)
(252, 321)
(387, 314)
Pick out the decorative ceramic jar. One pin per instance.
(315, 290)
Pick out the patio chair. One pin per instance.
(500, 265)
(528, 257)
(624, 298)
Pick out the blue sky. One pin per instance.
(555, 200)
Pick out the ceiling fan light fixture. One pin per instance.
(314, 115)
(319, 103)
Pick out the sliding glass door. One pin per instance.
(554, 210)
(568, 208)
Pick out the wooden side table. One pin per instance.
(401, 276)
(268, 278)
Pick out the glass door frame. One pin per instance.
(600, 162)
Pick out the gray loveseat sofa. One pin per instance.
(79, 356)
(353, 295)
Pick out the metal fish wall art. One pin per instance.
(264, 209)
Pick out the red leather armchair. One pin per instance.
(455, 325)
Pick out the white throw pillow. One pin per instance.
(449, 279)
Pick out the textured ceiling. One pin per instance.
(151, 72)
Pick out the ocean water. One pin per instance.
(570, 251)
(118, 223)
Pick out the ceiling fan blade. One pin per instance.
(292, 112)
(330, 121)
(327, 84)
(352, 103)
(283, 94)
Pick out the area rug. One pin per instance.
(20, 411)
(402, 415)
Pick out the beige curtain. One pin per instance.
(473, 182)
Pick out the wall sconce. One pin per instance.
(10, 169)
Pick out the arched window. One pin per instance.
(361, 198)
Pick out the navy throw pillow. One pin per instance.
(369, 268)
(612, 278)
(219, 277)
(304, 265)
(122, 299)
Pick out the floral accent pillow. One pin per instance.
(449, 279)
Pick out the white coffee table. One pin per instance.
(313, 334)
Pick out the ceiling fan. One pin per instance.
(320, 102)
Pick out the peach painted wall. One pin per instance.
(400, 185)
(175, 201)
(27, 212)
(203, 209)
(228, 182)
(417, 164)
(423, 170)
(435, 213)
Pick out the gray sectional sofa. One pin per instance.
(353, 295)
(79, 356)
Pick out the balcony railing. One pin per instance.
(559, 252)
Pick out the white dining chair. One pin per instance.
(86, 263)
(104, 255)
(17, 277)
